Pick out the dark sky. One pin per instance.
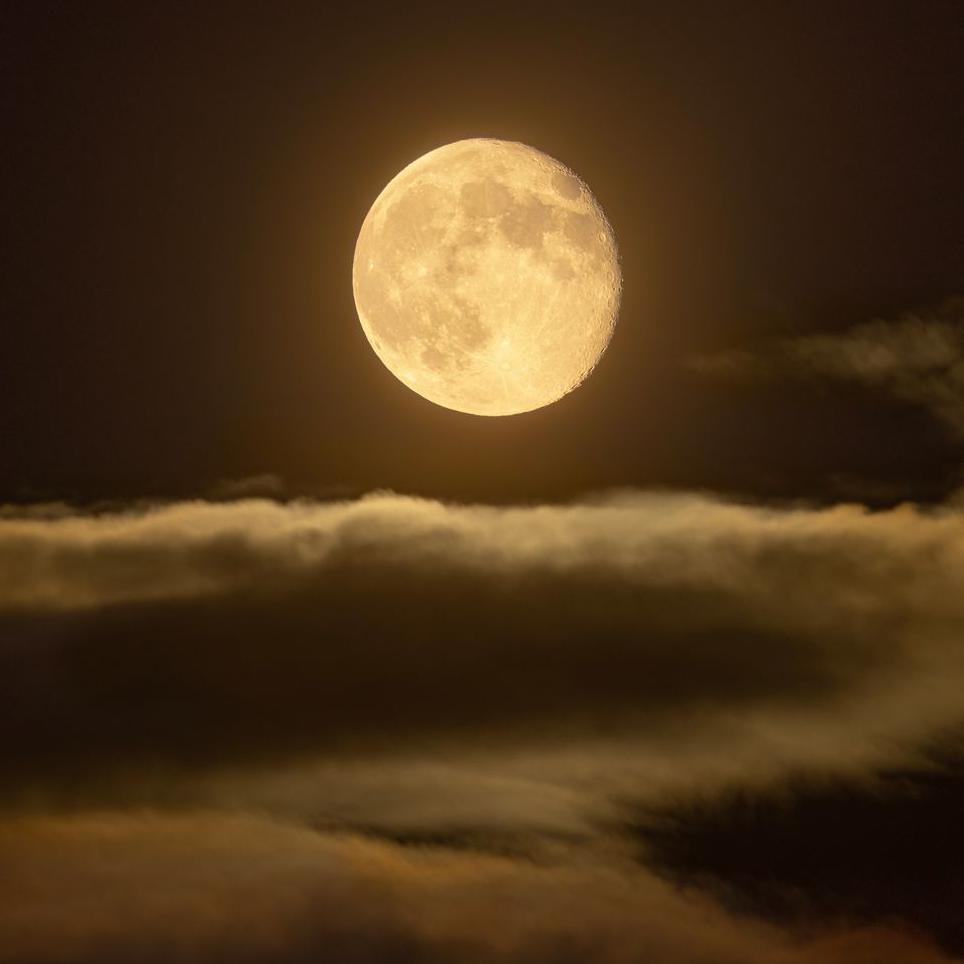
(182, 189)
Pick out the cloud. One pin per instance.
(266, 485)
(816, 849)
(113, 886)
(917, 358)
(238, 633)
(381, 710)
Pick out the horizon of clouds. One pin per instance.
(638, 612)
(381, 724)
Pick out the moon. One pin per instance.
(486, 277)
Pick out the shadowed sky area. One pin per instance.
(296, 666)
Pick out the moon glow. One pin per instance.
(486, 278)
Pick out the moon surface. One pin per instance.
(486, 277)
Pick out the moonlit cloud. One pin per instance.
(917, 358)
(635, 612)
(418, 699)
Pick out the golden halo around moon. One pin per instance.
(486, 277)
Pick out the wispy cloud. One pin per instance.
(917, 358)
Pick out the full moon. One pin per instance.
(486, 278)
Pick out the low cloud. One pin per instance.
(214, 887)
(917, 358)
(266, 485)
(377, 726)
(229, 632)
(819, 848)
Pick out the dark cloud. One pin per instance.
(819, 849)
(112, 887)
(917, 358)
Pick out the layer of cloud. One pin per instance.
(221, 632)
(917, 358)
(213, 887)
(424, 706)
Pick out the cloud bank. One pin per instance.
(378, 726)
(239, 631)
(342, 624)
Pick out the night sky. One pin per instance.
(297, 666)
(182, 195)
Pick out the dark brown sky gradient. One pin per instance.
(182, 191)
